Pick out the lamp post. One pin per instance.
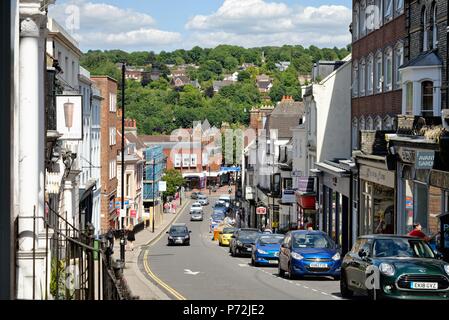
(154, 198)
(122, 239)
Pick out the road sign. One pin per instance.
(261, 210)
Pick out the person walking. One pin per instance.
(130, 236)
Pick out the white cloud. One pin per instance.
(104, 26)
(261, 22)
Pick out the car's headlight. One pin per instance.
(297, 256)
(170, 237)
(387, 269)
(262, 251)
(336, 257)
(239, 243)
(446, 268)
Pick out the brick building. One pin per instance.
(109, 149)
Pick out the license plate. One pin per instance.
(424, 285)
(178, 241)
(272, 261)
(318, 265)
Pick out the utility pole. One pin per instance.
(122, 239)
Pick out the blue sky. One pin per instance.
(172, 24)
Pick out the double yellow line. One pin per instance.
(146, 265)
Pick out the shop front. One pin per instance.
(306, 210)
(377, 201)
(334, 185)
(422, 191)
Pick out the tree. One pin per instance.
(243, 75)
(174, 180)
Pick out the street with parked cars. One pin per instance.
(216, 259)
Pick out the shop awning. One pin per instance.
(332, 169)
(214, 174)
(193, 175)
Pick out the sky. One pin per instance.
(156, 25)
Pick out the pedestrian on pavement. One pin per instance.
(110, 238)
(309, 225)
(417, 232)
(130, 236)
(174, 208)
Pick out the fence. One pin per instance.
(80, 266)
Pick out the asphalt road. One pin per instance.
(205, 271)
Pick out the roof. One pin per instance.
(158, 138)
(133, 139)
(220, 84)
(425, 59)
(285, 116)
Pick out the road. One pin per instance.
(205, 271)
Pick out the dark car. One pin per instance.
(242, 241)
(400, 267)
(179, 234)
(309, 253)
(194, 195)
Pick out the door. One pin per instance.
(361, 264)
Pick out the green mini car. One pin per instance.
(398, 267)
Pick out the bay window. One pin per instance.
(427, 99)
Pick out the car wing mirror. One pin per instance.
(362, 254)
(166, 232)
(190, 231)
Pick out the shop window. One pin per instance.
(377, 212)
(421, 205)
(427, 99)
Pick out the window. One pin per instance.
(362, 123)
(370, 18)
(388, 123)
(388, 73)
(355, 134)
(399, 6)
(177, 160)
(378, 13)
(355, 23)
(388, 12)
(355, 79)
(378, 74)
(434, 27)
(369, 123)
(362, 78)
(112, 102)
(427, 99)
(128, 185)
(186, 160)
(362, 18)
(288, 183)
(112, 169)
(112, 136)
(193, 160)
(378, 123)
(409, 98)
(425, 35)
(398, 61)
(370, 74)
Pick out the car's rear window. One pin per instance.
(410, 248)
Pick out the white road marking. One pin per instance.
(243, 265)
(306, 287)
(190, 272)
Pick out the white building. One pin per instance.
(89, 151)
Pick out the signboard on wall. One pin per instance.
(162, 186)
(306, 184)
(376, 175)
(69, 117)
(288, 196)
(425, 159)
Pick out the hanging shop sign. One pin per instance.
(69, 116)
(261, 211)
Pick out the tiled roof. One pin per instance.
(285, 116)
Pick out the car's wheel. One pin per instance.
(337, 278)
(344, 288)
(280, 271)
(232, 253)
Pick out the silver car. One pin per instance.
(196, 216)
(203, 200)
(197, 206)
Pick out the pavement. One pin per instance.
(205, 271)
(134, 277)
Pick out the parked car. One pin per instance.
(309, 253)
(224, 238)
(242, 241)
(179, 234)
(407, 268)
(195, 207)
(202, 199)
(266, 249)
(196, 216)
(220, 206)
(226, 199)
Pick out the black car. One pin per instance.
(242, 241)
(194, 195)
(179, 234)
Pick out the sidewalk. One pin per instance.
(139, 285)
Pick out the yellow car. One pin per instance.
(224, 238)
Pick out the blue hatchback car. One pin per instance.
(266, 249)
(311, 253)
